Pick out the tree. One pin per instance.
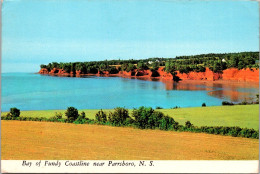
(101, 117)
(119, 116)
(71, 114)
(142, 66)
(73, 68)
(49, 67)
(130, 67)
(55, 65)
(112, 70)
(43, 66)
(155, 66)
(66, 67)
(14, 112)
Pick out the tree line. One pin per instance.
(142, 118)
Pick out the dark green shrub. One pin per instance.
(243, 103)
(8, 116)
(71, 114)
(158, 107)
(255, 135)
(81, 119)
(176, 107)
(227, 103)
(147, 118)
(58, 115)
(155, 120)
(203, 105)
(101, 117)
(129, 121)
(142, 115)
(234, 131)
(166, 123)
(15, 112)
(118, 117)
(188, 124)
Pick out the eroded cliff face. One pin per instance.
(164, 75)
(250, 75)
(43, 71)
(207, 75)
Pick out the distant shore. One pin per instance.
(227, 76)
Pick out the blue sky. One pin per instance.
(37, 32)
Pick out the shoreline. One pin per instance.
(231, 74)
(148, 78)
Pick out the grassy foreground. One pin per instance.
(47, 140)
(244, 116)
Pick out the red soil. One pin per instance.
(249, 75)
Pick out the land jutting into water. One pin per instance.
(232, 66)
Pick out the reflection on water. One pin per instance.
(233, 91)
(225, 90)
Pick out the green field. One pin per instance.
(238, 115)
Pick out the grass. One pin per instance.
(244, 116)
(238, 115)
(41, 140)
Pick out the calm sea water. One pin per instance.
(28, 91)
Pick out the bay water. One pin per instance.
(29, 91)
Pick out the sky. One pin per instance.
(37, 32)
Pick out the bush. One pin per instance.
(71, 114)
(167, 123)
(203, 105)
(15, 112)
(147, 118)
(118, 117)
(101, 117)
(227, 103)
(176, 107)
(158, 107)
(188, 124)
(244, 103)
(81, 119)
(58, 115)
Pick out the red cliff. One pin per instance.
(250, 75)
(207, 75)
(164, 75)
(43, 71)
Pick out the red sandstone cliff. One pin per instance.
(43, 71)
(250, 75)
(164, 75)
(207, 75)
